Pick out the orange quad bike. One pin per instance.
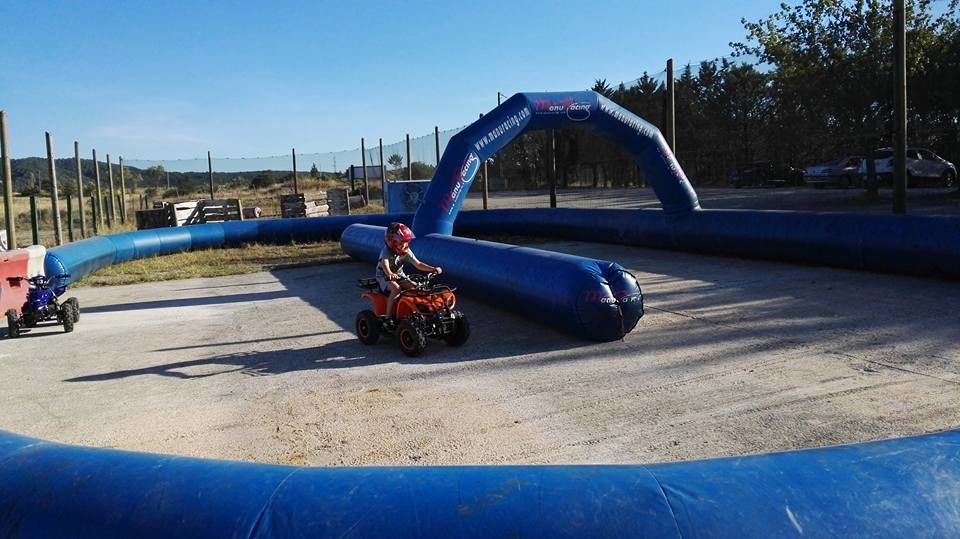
(425, 311)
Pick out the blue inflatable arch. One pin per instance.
(549, 110)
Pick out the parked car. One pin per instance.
(765, 173)
(843, 173)
(923, 167)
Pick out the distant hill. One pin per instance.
(32, 171)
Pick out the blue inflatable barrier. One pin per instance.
(469, 148)
(86, 256)
(592, 299)
(909, 487)
(917, 245)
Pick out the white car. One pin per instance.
(923, 166)
(842, 172)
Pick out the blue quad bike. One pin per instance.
(43, 304)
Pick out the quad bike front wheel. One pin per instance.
(66, 314)
(367, 326)
(75, 307)
(461, 332)
(13, 324)
(412, 339)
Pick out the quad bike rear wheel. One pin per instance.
(13, 325)
(368, 327)
(412, 339)
(461, 332)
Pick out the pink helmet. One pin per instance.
(397, 237)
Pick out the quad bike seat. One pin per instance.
(369, 283)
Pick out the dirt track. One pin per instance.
(733, 357)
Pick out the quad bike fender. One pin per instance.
(408, 305)
(378, 302)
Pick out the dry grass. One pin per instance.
(216, 263)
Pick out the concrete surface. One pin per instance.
(733, 357)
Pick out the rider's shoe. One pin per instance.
(389, 322)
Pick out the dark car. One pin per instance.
(765, 174)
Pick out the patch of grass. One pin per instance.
(216, 263)
(369, 208)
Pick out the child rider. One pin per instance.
(395, 253)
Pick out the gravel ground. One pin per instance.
(733, 357)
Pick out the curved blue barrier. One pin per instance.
(549, 110)
(592, 299)
(86, 256)
(906, 487)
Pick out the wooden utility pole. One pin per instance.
(900, 110)
(436, 140)
(70, 218)
(671, 109)
(52, 169)
(409, 163)
(9, 220)
(363, 161)
(98, 206)
(210, 173)
(111, 210)
(123, 195)
(383, 178)
(296, 189)
(76, 161)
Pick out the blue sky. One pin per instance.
(173, 79)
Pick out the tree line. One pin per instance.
(809, 83)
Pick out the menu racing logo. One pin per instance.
(462, 177)
(576, 111)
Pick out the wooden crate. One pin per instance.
(191, 212)
(219, 211)
(298, 206)
(154, 218)
(338, 201)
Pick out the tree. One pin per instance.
(422, 171)
(396, 161)
(155, 175)
(832, 77)
(601, 87)
(262, 180)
